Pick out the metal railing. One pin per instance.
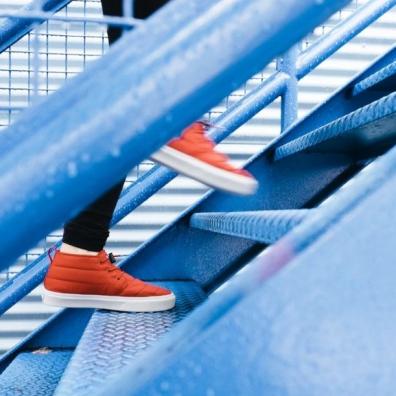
(291, 68)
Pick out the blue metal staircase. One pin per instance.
(311, 314)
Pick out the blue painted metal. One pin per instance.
(383, 79)
(243, 110)
(147, 185)
(345, 31)
(327, 170)
(319, 317)
(289, 108)
(40, 16)
(187, 91)
(282, 189)
(113, 340)
(339, 104)
(261, 226)
(14, 289)
(365, 132)
(34, 373)
(211, 259)
(276, 77)
(12, 29)
(48, 335)
(293, 183)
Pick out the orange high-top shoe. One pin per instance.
(95, 282)
(194, 155)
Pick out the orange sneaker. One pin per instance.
(95, 282)
(194, 155)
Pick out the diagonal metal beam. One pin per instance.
(12, 29)
(191, 55)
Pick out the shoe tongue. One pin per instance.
(103, 255)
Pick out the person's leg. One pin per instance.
(193, 154)
(142, 9)
(89, 230)
(81, 273)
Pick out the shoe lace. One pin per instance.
(108, 265)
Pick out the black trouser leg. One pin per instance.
(90, 229)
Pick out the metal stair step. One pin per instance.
(34, 373)
(265, 226)
(113, 339)
(384, 79)
(365, 132)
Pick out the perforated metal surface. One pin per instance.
(34, 374)
(264, 226)
(364, 131)
(386, 76)
(112, 339)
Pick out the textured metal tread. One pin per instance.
(384, 77)
(113, 339)
(367, 131)
(263, 226)
(34, 373)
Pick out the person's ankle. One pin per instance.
(69, 249)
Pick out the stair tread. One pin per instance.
(384, 78)
(34, 373)
(113, 339)
(263, 226)
(365, 132)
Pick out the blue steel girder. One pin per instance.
(230, 120)
(292, 184)
(317, 165)
(306, 318)
(187, 61)
(179, 251)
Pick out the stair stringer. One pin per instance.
(320, 303)
(327, 171)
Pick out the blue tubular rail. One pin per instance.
(204, 319)
(65, 177)
(147, 185)
(12, 29)
(341, 34)
(363, 187)
(24, 282)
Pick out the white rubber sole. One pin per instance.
(113, 303)
(205, 173)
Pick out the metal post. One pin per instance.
(289, 108)
(136, 103)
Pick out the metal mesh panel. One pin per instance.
(61, 50)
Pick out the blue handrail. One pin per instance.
(298, 65)
(180, 69)
(12, 29)
(16, 288)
